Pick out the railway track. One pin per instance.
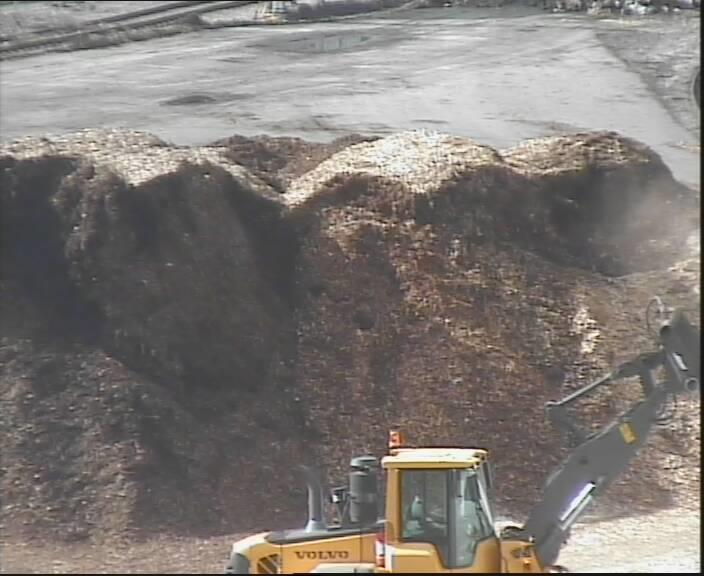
(98, 32)
(165, 7)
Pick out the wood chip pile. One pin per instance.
(154, 271)
(440, 289)
(613, 199)
(178, 335)
(278, 160)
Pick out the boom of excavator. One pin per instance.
(438, 514)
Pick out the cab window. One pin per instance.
(446, 508)
(424, 511)
(473, 522)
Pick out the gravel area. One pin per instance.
(664, 542)
(665, 52)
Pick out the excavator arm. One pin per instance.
(599, 458)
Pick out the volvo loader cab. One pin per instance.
(438, 516)
(439, 511)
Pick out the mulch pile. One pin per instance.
(279, 159)
(451, 289)
(183, 326)
(155, 282)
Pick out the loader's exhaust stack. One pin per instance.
(316, 517)
(363, 492)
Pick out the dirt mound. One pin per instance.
(176, 332)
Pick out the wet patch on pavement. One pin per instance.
(321, 42)
(201, 98)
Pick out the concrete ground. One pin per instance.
(497, 76)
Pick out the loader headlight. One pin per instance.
(691, 385)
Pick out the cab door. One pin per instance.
(441, 525)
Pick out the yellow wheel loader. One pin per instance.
(439, 511)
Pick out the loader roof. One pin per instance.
(434, 458)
